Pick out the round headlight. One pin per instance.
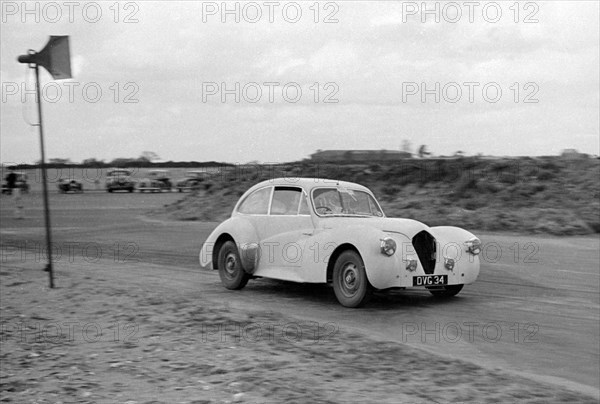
(388, 246)
(473, 246)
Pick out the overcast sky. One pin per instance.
(162, 68)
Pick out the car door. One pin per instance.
(283, 239)
(255, 209)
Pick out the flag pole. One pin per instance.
(38, 99)
(56, 58)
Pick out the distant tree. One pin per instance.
(92, 162)
(459, 153)
(122, 162)
(149, 156)
(423, 151)
(60, 161)
(406, 146)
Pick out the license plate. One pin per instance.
(430, 280)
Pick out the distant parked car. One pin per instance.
(157, 181)
(317, 231)
(21, 183)
(69, 185)
(119, 179)
(192, 180)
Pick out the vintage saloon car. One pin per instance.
(157, 181)
(69, 185)
(192, 180)
(317, 231)
(119, 179)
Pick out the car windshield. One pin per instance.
(344, 202)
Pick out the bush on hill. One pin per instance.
(546, 195)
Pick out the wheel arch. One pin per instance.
(222, 239)
(336, 253)
(236, 229)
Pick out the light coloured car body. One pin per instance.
(157, 181)
(303, 247)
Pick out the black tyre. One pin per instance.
(350, 282)
(231, 272)
(447, 291)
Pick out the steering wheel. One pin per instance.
(325, 209)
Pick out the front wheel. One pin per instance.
(231, 272)
(350, 282)
(447, 291)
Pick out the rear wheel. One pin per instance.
(350, 282)
(446, 291)
(231, 272)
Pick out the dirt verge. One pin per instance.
(125, 335)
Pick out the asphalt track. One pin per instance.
(535, 309)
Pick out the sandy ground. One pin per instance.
(114, 336)
(155, 328)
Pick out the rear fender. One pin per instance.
(243, 234)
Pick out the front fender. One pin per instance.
(451, 243)
(242, 232)
(381, 270)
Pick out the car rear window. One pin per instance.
(257, 203)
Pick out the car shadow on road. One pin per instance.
(322, 294)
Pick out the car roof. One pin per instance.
(309, 183)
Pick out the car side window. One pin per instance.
(359, 203)
(327, 201)
(285, 201)
(257, 203)
(304, 209)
